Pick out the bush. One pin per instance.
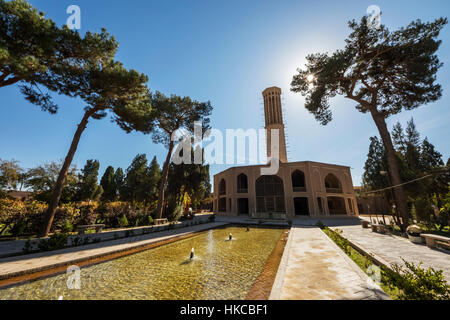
(67, 227)
(417, 283)
(87, 214)
(55, 242)
(320, 224)
(212, 218)
(123, 222)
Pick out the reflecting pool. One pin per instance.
(221, 269)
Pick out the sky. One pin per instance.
(226, 52)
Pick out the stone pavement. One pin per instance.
(19, 265)
(313, 267)
(391, 249)
(14, 248)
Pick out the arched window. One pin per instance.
(242, 183)
(222, 187)
(269, 194)
(332, 184)
(298, 181)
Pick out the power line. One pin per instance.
(405, 183)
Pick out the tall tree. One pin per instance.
(88, 187)
(135, 182)
(104, 85)
(375, 164)
(382, 71)
(108, 184)
(119, 183)
(33, 50)
(42, 180)
(171, 115)
(10, 174)
(153, 180)
(398, 138)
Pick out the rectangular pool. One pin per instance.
(221, 269)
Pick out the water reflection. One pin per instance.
(219, 270)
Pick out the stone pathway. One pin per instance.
(14, 248)
(313, 267)
(25, 264)
(392, 249)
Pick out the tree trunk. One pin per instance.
(54, 201)
(399, 194)
(162, 187)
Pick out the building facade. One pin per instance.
(303, 188)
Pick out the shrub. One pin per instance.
(212, 218)
(320, 224)
(87, 214)
(417, 283)
(28, 247)
(67, 227)
(123, 222)
(55, 242)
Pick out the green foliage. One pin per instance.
(35, 52)
(108, 184)
(212, 218)
(67, 227)
(368, 64)
(141, 181)
(119, 182)
(417, 283)
(320, 224)
(88, 214)
(11, 175)
(123, 222)
(422, 209)
(42, 180)
(55, 242)
(88, 188)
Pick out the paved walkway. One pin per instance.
(313, 267)
(16, 266)
(392, 249)
(14, 248)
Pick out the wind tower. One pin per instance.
(274, 120)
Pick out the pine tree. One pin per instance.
(430, 158)
(108, 184)
(153, 180)
(398, 138)
(88, 188)
(118, 183)
(136, 179)
(375, 164)
(383, 72)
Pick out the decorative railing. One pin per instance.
(242, 190)
(299, 189)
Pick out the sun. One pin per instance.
(310, 78)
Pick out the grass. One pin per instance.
(364, 262)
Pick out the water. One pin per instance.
(221, 269)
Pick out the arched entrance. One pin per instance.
(336, 206)
(269, 194)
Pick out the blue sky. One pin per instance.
(227, 52)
